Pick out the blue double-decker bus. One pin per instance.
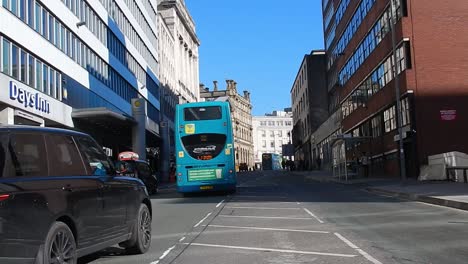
(204, 147)
(271, 161)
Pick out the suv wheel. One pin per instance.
(140, 241)
(60, 245)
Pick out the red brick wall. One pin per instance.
(440, 59)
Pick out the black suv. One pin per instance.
(141, 170)
(60, 198)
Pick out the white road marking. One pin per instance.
(362, 252)
(349, 243)
(201, 221)
(219, 204)
(298, 202)
(266, 217)
(314, 216)
(181, 239)
(275, 250)
(163, 255)
(244, 200)
(261, 208)
(270, 229)
(261, 196)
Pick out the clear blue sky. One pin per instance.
(258, 43)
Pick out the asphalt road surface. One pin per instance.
(281, 218)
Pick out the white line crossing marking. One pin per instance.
(244, 200)
(314, 216)
(201, 221)
(181, 239)
(262, 208)
(219, 204)
(266, 217)
(298, 202)
(275, 250)
(362, 252)
(270, 229)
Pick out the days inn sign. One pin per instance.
(22, 97)
(29, 99)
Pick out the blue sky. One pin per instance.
(258, 43)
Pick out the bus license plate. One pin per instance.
(206, 187)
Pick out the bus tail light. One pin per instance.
(4, 197)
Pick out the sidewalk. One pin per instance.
(448, 194)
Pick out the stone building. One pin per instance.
(241, 110)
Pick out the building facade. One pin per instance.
(241, 111)
(309, 98)
(271, 132)
(181, 26)
(178, 53)
(87, 65)
(432, 78)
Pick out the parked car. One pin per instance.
(60, 198)
(141, 170)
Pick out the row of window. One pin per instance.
(370, 42)
(340, 11)
(328, 16)
(85, 13)
(273, 144)
(23, 66)
(278, 123)
(141, 19)
(41, 20)
(380, 77)
(279, 133)
(329, 40)
(383, 122)
(122, 22)
(361, 12)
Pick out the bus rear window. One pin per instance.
(202, 113)
(204, 146)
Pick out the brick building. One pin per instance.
(432, 66)
(309, 104)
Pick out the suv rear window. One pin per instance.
(202, 113)
(27, 154)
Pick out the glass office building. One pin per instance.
(80, 64)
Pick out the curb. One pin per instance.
(421, 198)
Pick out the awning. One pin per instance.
(102, 115)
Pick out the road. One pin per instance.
(279, 217)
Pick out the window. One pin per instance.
(405, 112)
(31, 71)
(271, 123)
(52, 89)
(263, 132)
(38, 75)
(280, 143)
(51, 29)
(64, 157)
(14, 61)
(202, 113)
(6, 57)
(272, 133)
(376, 123)
(22, 10)
(96, 161)
(263, 123)
(30, 13)
(23, 67)
(45, 79)
(27, 155)
(263, 143)
(280, 133)
(390, 119)
(38, 16)
(14, 6)
(272, 144)
(45, 19)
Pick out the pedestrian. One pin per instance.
(365, 164)
(283, 164)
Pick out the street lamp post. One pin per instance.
(166, 144)
(397, 92)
